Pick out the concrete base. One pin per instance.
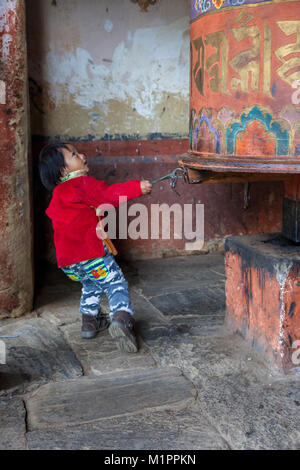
(263, 295)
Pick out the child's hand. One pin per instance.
(146, 187)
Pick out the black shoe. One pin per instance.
(92, 325)
(122, 330)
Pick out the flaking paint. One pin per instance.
(129, 79)
(263, 294)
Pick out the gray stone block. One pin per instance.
(168, 275)
(38, 353)
(91, 399)
(169, 429)
(251, 407)
(203, 301)
(12, 424)
(101, 355)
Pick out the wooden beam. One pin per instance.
(194, 176)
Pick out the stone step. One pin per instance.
(90, 399)
(101, 355)
(177, 429)
(201, 301)
(12, 424)
(36, 352)
(170, 275)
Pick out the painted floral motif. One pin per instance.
(254, 132)
(218, 3)
(225, 115)
(202, 5)
(236, 2)
(204, 136)
(255, 140)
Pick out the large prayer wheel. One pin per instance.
(245, 86)
(245, 126)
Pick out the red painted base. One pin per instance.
(263, 296)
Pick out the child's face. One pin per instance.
(73, 160)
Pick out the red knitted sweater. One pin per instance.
(73, 215)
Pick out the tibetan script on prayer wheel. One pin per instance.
(245, 84)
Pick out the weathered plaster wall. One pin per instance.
(16, 280)
(104, 69)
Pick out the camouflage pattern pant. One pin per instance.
(98, 276)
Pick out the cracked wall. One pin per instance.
(101, 69)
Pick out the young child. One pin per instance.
(80, 253)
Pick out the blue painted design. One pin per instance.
(273, 91)
(200, 7)
(191, 138)
(191, 130)
(236, 2)
(282, 136)
(107, 137)
(205, 5)
(211, 128)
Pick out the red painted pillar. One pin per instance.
(16, 280)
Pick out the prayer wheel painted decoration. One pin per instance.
(245, 86)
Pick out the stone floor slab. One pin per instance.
(145, 313)
(251, 406)
(100, 355)
(202, 301)
(12, 424)
(193, 384)
(185, 429)
(37, 353)
(168, 275)
(186, 326)
(253, 415)
(204, 357)
(60, 313)
(90, 399)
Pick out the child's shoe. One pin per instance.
(122, 329)
(92, 325)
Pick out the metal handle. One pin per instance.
(173, 175)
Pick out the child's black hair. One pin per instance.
(51, 161)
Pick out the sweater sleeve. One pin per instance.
(94, 192)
